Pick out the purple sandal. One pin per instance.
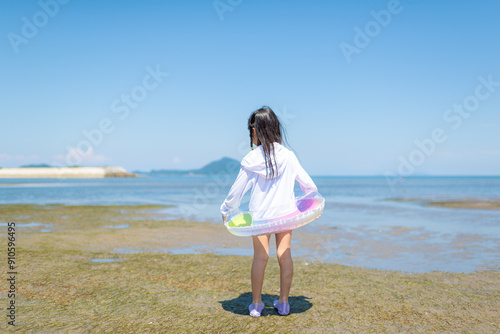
(283, 308)
(256, 309)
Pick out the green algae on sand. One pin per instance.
(71, 281)
(473, 204)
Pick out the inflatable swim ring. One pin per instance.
(309, 208)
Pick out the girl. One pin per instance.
(270, 170)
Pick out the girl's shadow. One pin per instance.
(239, 305)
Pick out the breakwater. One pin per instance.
(65, 172)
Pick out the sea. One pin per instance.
(372, 222)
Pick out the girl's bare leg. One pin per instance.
(260, 257)
(284, 254)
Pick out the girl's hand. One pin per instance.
(223, 219)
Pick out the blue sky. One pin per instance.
(75, 67)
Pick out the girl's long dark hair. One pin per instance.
(269, 131)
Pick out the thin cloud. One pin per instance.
(4, 157)
(76, 156)
(489, 125)
(490, 152)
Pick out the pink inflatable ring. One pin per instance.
(309, 208)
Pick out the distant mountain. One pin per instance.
(222, 166)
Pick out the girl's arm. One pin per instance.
(305, 181)
(244, 181)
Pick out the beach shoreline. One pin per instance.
(81, 273)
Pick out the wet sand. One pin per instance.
(79, 274)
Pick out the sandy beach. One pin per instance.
(109, 269)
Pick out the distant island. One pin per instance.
(37, 166)
(42, 171)
(222, 166)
